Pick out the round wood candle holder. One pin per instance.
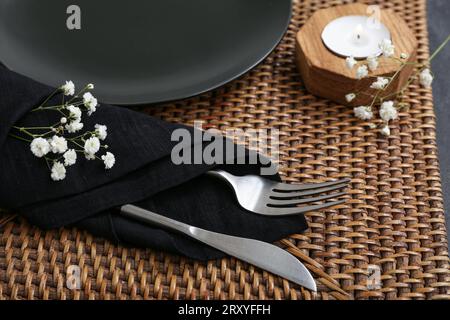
(325, 74)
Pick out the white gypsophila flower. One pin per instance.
(63, 120)
(90, 102)
(39, 147)
(403, 55)
(101, 131)
(363, 112)
(388, 111)
(426, 78)
(74, 113)
(74, 126)
(372, 125)
(70, 157)
(362, 72)
(90, 86)
(109, 160)
(380, 84)
(350, 62)
(58, 171)
(91, 146)
(372, 62)
(68, 88)
(387, 48)
(58, 144)
(89, 156)
(350, 97)
(385, 131)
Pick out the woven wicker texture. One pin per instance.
(393, 219)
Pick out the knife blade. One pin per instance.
(261, 254)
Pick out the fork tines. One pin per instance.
(285, 198)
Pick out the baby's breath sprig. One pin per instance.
(388, 109)
(58, 144)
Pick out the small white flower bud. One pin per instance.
(372, 62)
(388, 111)
(385, 131)
(350, 62)
(63, 120)
(426, 78)
(361, 72)
(350, 97)
(363, 112)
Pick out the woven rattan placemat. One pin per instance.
(394, 218)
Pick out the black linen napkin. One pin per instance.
(143, 175)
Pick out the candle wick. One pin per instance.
(359, 36)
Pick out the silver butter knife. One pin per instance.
(261, 254)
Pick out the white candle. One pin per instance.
(354, 36)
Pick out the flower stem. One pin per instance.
(74, 142)
(46, 100)
(443, 44)
(32, 128)
(78, 94)
(20, 138)
(47, 108)
(81, 135)
(391, 80)
(46, 161)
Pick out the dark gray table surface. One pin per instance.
(439, 28)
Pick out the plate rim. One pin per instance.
(209, 88)
(222, 83)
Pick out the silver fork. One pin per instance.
(271, 198)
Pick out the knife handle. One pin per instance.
(261, 254)
(235, 246)
(242, 248)
(147, 216)
(222, 242)
(231, 245)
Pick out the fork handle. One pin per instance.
(219, 174)
(223, 175)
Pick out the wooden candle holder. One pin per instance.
(325, 74)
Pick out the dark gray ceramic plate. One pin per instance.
(140, 51)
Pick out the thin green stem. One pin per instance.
(47, 108)
(31, 128)
(46, 161)
(78, 94)
(48, 98)
(443, 44)
(44, 134)
(81, 151)
(410, 80)
(27, 133)
(60, 111)
(74, 142)
(81, 135)
(19, 138)
(377, 95)
(364, 93)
